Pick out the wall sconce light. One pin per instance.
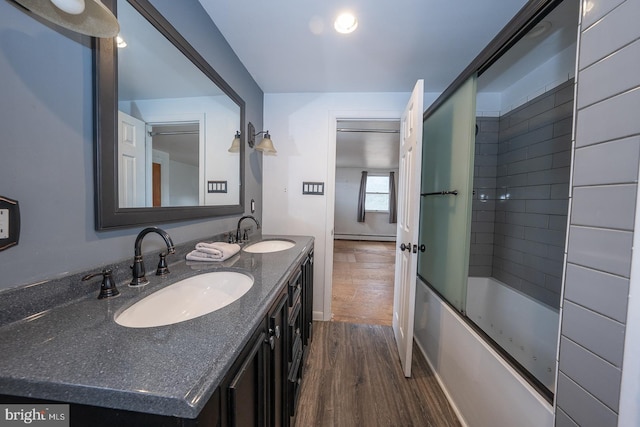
(266, 145)
(235, 144)
(89, 17)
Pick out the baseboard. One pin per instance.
(463, 422)
(364, 237)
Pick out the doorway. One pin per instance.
(364, 243)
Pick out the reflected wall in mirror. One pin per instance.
(165, 121)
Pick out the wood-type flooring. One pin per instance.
(353, 378)
(352, 375)
(363, 274)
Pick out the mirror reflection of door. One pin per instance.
(157, 184)
(176, 163)
(131, 161)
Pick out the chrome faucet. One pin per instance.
(137, 268)
(238, 238)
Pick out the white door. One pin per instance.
(404, 296)
(131, 161)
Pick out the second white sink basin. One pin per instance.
(272, 245)
(187, 299)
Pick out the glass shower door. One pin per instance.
(446, 195)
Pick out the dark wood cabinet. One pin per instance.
(262, 386)
(278, 363)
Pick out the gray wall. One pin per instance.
(534, 159)
(605, 174)
(46, 152)
(483, 212)
(521, 184)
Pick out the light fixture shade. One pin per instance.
(235, 144)
(266, 145)
(95, 20)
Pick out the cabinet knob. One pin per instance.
(271, 341)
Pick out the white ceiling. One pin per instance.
(291, 46)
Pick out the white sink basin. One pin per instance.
(186, 299)
(266, 246)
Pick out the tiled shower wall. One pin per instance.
(601, 231)
(524, 188)
(484, 195)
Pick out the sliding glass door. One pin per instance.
(446, 195)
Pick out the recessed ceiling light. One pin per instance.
(539, 29)
(345, 23)
(120, 42)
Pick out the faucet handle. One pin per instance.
(107, 287)
(162, 269)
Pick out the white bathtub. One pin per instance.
(524, 327)
(483, 388)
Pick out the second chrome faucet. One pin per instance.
(137, 268)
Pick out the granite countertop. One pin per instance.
(76, 352)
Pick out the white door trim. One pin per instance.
(330, 188)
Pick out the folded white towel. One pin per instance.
(216, 251)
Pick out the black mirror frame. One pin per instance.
(108, 215)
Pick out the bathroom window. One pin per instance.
(377, 198)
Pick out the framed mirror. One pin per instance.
(165, 120)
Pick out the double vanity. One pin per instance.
(210, 343)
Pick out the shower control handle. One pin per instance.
(406, 247)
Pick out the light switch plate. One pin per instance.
(4, 223)
(9, 223)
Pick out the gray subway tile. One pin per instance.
(596, 83)
(599, 334)
(600, 249)
(551, 146)
(564, 127)
(532, 109)
(558, 222)
(528, 219)
(560, 112)
(564, 92)
(534, 137)
(608, 163)
(541, 235)
(554, 284)
(610, 206)
(540, 293)
(552, 176)
(551, 207)
(601, 292)
(511, 230)
(591, 372)
(581, 406)
(560, 191)
(530, 165)
(563, 420)
(614, 30)
(507, 205)
(540, 192)
(527, 246)
(597, 10)
(562, 159)
(519, 180)
(619, 113)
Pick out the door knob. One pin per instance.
(406, 247)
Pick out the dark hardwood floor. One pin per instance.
(363, 274)
(353, 378)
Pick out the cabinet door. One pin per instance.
(307, 295)
(277, 398)
(246, 391)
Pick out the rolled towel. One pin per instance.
(216, 251)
